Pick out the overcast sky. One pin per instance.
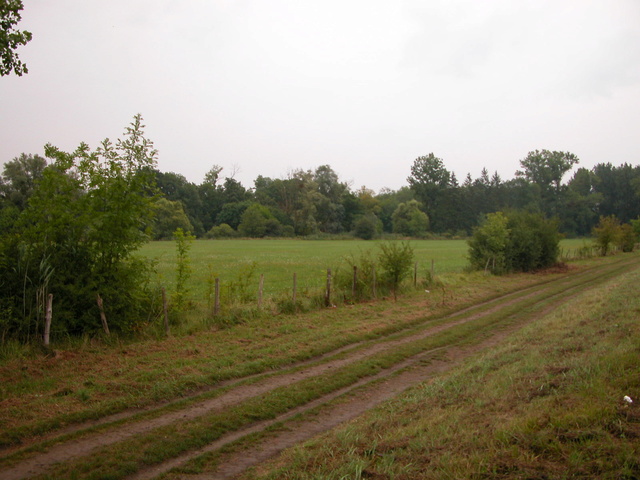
(265, 87)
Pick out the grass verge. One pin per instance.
(164, 443)
(547, 404)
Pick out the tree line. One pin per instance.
(72, 226)
(312, 202)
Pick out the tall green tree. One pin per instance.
(11, 38)
(429, 179)
(210, 194)
(19, 178)
(545, 169)
(177, 188)
(618, 190)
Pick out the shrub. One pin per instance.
(488, 244)
(518, 241)
(627, 240)
(606, 233)
(408, 219)
(395, 261)
(533, 241)
(222, 231)
(88, 214)
(366, 227)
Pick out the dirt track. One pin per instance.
(510, 313)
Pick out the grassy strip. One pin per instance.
(185, 402)
(548, 404)
(146, 415)
(167, 442)
(42, 395)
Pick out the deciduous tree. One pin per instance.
(11, 38)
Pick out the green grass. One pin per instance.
(172, 440)
(546, 404)
(279, 259)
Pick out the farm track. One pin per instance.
(423, 355)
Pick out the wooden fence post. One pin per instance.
(354, 285)
(295, 287)
(375, 295)
(260, 286)
(216, 301)
(103, 317)
(433, 268)
(415, 275)
(165, 311)
(47, 319)
(327, 294)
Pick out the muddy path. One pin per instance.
(509, 311)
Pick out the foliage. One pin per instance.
(628, 237)
(183, 267)
(11, 38)
(257, 222)
(606, 233)
(316, 202)
(176, 188)
(547, 168)
(367, 226)
(488, 244)
(430, 180)
(222, 231)
(169, 216)
(231, 213)
(518, 241)
(533, 241)
(19, 178)
(409, 220)
(395, 260)
(635, 225)
(87, 216)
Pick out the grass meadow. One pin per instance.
(244, 260)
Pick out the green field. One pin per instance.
(279, 259)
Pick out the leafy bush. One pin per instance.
(409, 220)
(533, 242)
(88, 214)
(222, 231)
(396, 260)
(606, 233)
(488, 244)
(518, 241)
(367, 226)
(627, 240)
